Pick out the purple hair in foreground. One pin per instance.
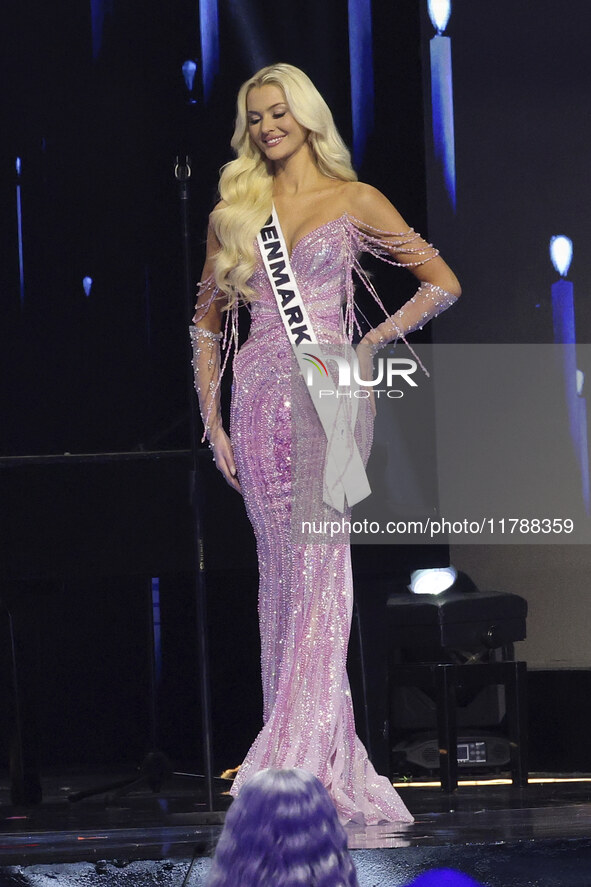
(282, 831)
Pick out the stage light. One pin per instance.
(210, 43)
(189, 70)
(87, 285)
(444, 878)
(532, 780)
(442, 103)
(361, 75)
(19, 232)
(435, 580)
(580, 382)
(99, 10)
(561, 253)
(439, 13)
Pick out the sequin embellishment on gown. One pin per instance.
(306, 590)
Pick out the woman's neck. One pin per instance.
(297, 174)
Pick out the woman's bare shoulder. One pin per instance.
(367, 204)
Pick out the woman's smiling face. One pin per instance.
(271, 125)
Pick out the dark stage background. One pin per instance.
(521, 81)
(97, 139)
(96, 108)
(97, 124)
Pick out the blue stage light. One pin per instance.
(561, 253)
(189, 71)
(99, 10)
(442, 103)
(362, 80)
(444, 878)
(87, 285)
(157, 629)
(439, 13)
(210, 43)
(19, 232)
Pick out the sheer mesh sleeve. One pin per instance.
(206, 372)
(428, 301)
(208, 367)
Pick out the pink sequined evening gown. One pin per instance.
(306, 589)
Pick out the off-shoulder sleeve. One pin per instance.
(404, 249)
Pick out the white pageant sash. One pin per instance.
(344, 472)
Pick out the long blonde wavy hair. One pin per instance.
(246, 184)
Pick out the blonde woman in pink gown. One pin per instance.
(290, 155)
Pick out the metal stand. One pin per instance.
(25, 785)
(156, 768)
(182, 172)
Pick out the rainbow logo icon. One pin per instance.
(316, 362)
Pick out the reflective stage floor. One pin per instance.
(501, 836)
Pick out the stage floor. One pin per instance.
(500, 835)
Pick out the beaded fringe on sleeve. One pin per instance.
(405, 250)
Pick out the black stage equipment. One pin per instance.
(474, 751)
(448, 655)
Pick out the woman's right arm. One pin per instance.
(205, 337)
